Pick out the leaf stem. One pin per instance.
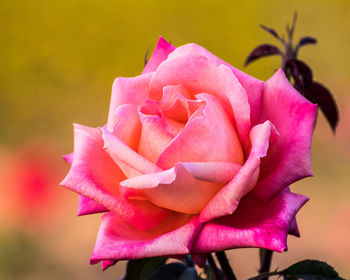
(225, 265)
(265, 262)
(214, 267)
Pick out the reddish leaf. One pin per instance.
(305, 41)
(271, 31)
(320, 95)
(262, 51)
(302, 74)
(292, 67)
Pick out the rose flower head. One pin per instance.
(196, 157)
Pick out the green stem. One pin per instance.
(265, 262)
(225, 265)
(214, 268)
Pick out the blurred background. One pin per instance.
(58, 60)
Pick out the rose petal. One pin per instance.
(127, 91)
(197, 75)
(157, 132)
(254, 224)
(127, 128)
(107, 263)
(88, 206)
(252, 86)
(226, 200)
(94, 174)
(195, 143)
(163, 120)
(124, 156)
(128, 125)
(289, 158)
(160, 53)
(69, 158)
(182, 188)
(177, 105)
(87, 153)
(117, 240)
(293, 228)
(199, 259)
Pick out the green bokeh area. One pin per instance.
(59, 58)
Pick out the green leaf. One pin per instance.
(142, 268)
(310, 270)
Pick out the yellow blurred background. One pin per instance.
(58, 60)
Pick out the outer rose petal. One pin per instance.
(107, 263)
(160, 53)
(199, 259)
(252, 86)
(289, 158)
(127, 91)
(91, 163)
(254, 224)
(117, 240)
(293, 228)
(226, 200)
(198, 75)
(69, 158)
(86, 205)
(182, 188)
(94, 174)
(195, 142)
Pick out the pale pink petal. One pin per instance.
(127, 129)
(127, 91)
(216, 172)
(289, 158)
(128, 125)
(198, 75)
(182, 188)
(208, 137)
(126, 157)
(172, 93)
(163, 120)
(155, 135)
(252, 86)
(177, 105)
(254, 224)
(226, 200)
(88, 206)
(95, 175)
(117, 240)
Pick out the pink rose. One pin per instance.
(196, 157)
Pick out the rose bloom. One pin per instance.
(196, 157)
